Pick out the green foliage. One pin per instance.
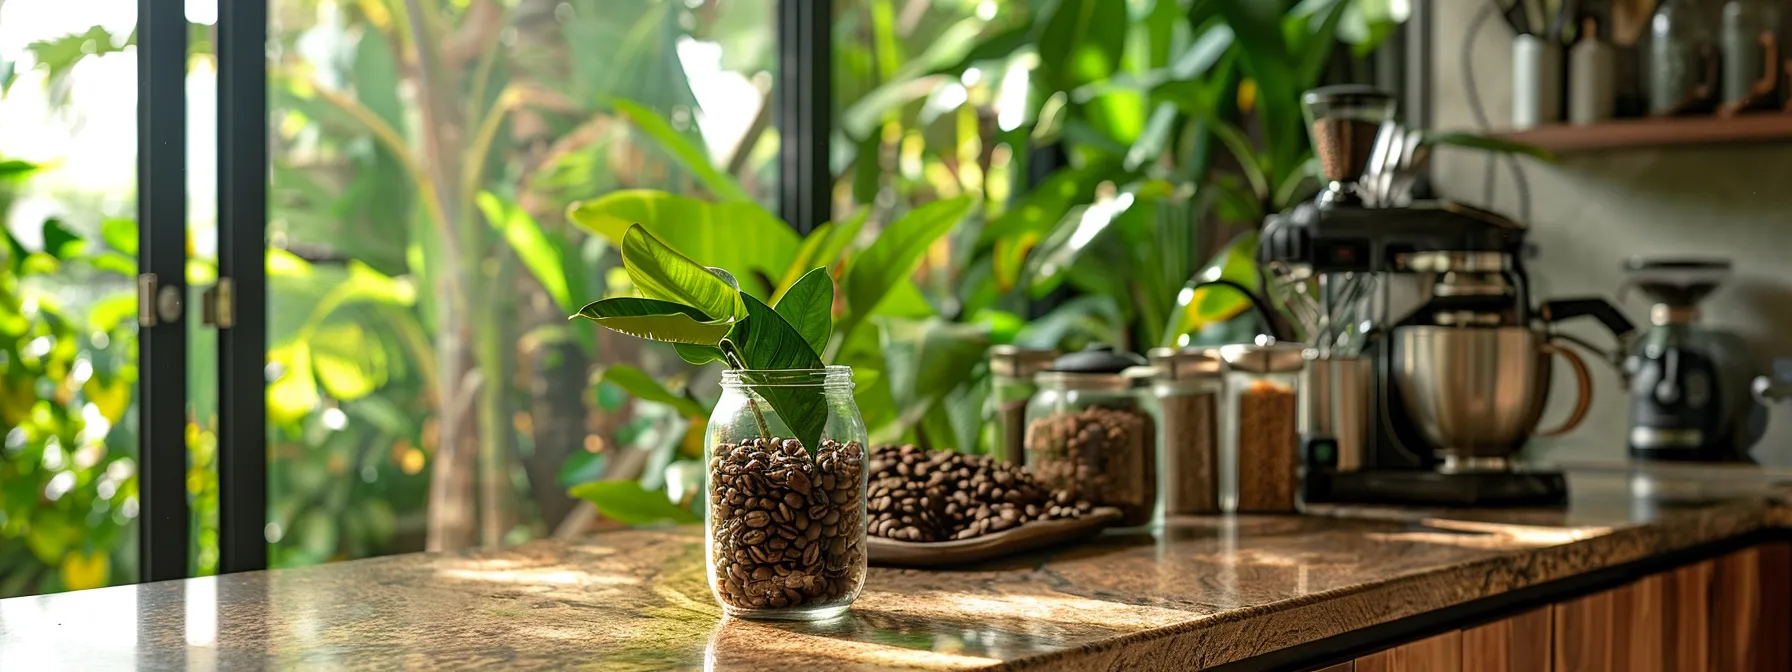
(625, 501)
(894, 256)
(758, 246)
(687, 154)
(642, 386)
(769, 342)
(659, 272)
(809, 308)
(68, 485)
(657, 320)
(691, 294)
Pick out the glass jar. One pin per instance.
(1259, 428)
(1011, 371)
(1751, 40)
(1683, 61)
(1187, 385)
(1089, 433)
(785, 527)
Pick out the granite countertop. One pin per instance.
(1197, 592)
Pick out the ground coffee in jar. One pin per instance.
(1089, 434)
(1187, 386)
(1011, 371)
(1259, 429)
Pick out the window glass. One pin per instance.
(426, 388)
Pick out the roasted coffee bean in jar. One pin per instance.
(785, 523)
(1089, 432)
(1259, 428)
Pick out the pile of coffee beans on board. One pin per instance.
(787, 530)
(919, 495)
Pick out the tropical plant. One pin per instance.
(68, 483)
(876, 301)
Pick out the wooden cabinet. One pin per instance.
(1731, 614)
(1518, 644)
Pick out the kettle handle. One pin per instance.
(1583, 380)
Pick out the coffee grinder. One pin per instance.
(1459, 360)
(1688, 397)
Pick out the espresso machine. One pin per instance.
(1458, 357)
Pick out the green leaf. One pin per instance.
(660, 272)
(657, 320)
(998, 45)
(895, 255)
(768, 342)
(688, 155)
(538, 252)
(636, 382)
(698, 354)
(1083, 42)
(741, 237)
(59, 242)
(1314, 50)
(120, 233)
(809, 308)
(1257, 28)
(926, 359)
(627, 502)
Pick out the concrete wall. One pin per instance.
(1590, 212)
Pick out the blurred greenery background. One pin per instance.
(994, 161)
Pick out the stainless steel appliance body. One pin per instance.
(1477, 393)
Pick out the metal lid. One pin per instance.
(1018, 362)
(1274, 358)
(1192, 363)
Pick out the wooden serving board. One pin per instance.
(1031, 536)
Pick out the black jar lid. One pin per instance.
(1096, 359)
(1097, 367)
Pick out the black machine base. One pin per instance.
(1430, 488)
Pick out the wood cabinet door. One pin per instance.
(1751, 610)
(1442, 653)
(1522, 643)
(1583, 633)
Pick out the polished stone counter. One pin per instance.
(1198, 592)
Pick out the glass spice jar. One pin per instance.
(785, 526)
(1187, 384)
(1089, 433)
(1259, 428)
(1011, 371)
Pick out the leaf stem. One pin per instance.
(734, 360)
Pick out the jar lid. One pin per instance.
(1097, 359)
(1191, 363)
(1097, 367)
(1272, 358)
(1018, 362)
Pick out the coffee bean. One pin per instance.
(945, 495)
(768, 500)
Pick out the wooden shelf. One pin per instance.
(1637, 133)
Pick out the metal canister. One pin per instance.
(1334, 405)
(1187, 386)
